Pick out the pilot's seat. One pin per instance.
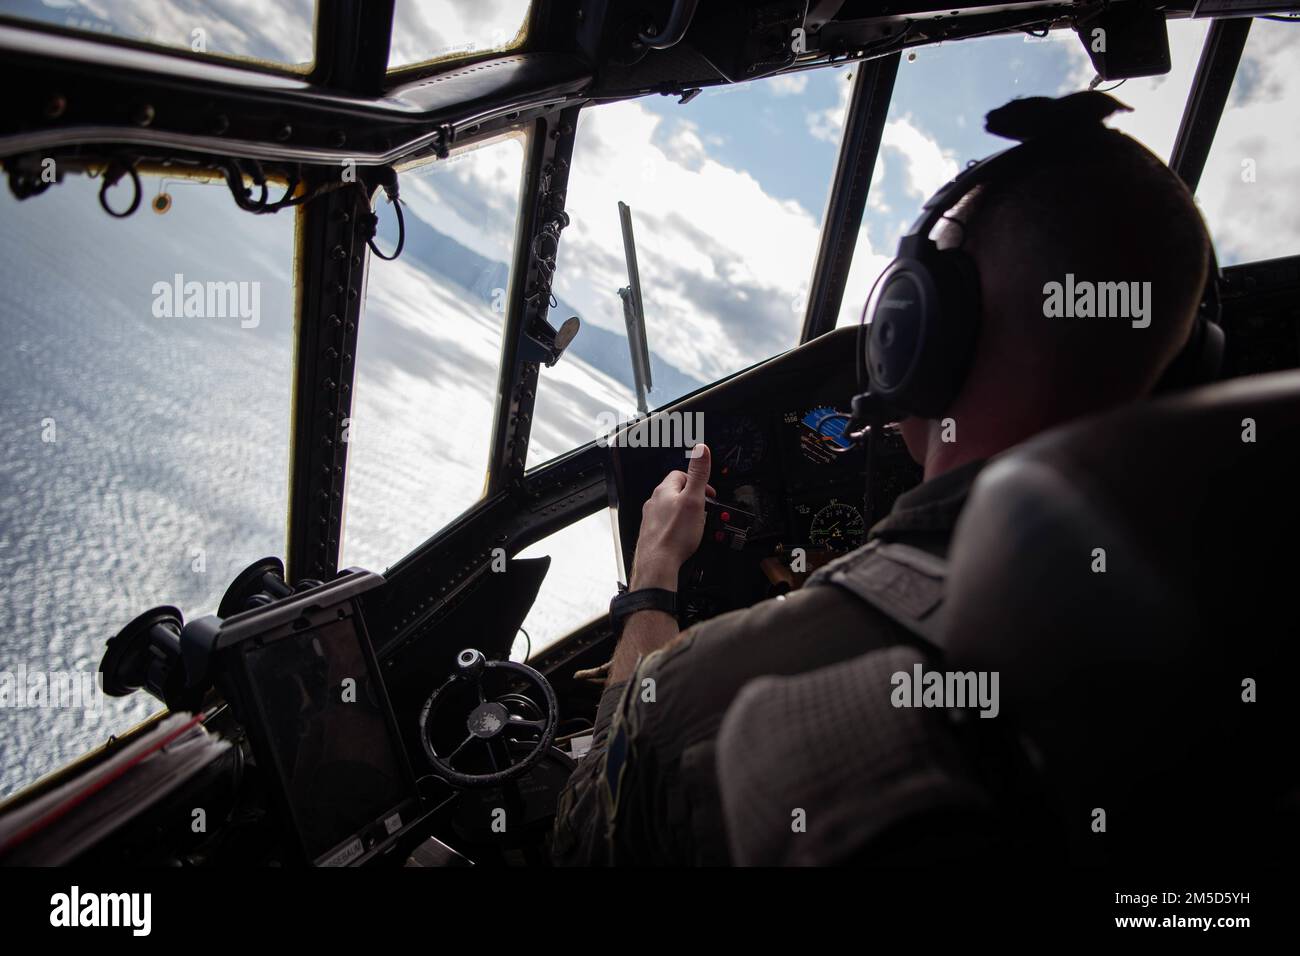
(1133, 579)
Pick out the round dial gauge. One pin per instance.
(838, 527)
(739, 448)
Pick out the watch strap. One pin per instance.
(626, 603)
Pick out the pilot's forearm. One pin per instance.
(645, 631)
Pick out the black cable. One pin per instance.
(1109, 88)
(372, 223)
(241, 193)
(868, 499)
(112, 176)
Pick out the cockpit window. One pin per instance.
(280, 33)
(578, 584)
(432, 31)
(428, 352)
(936, 122)
(1250, 189)
(727, 195)
(144, 392)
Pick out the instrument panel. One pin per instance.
(777, 436)
(794, 470)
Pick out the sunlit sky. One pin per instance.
(728, 191)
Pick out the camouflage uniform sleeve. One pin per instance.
(581, 826)
(646, 792)
(613, 809)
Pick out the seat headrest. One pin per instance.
(1126, 573)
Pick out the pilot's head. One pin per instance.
(1113, 213)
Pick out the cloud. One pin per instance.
(791, 84)
(865, 269)
(926, 164)
(913, 157)
(828, 124)
(1157, 101)
(721, 259)
(1248, 220)
(723, 262)
(473, 196)
(435, 28)
(283, 32)
(276, 32)
(1258, 136)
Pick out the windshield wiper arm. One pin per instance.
(634, 313)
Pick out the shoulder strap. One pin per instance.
(907, 585)
(901, 581)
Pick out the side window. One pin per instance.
(430, 31)
(1250, 188)
(428, 353)
(144, 393)
(583, 576)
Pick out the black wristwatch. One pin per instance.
(626, 603)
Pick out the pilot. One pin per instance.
(647, 792)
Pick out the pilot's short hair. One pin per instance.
(1110, 213)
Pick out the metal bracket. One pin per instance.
(329, 307)
(529, 339)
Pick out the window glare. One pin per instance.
(582, 577)
(428, 353)
(145, 447)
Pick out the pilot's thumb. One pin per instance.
(697, 472)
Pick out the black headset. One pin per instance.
(921, 322)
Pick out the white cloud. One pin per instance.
(876, 195)
(431, 29)
(280, 32)
(1247, 220)
(1258, 220)
(1157, 101)
(472, 196)
(686, 146)
(791, 84)
(867, 266)
(721, 259)
(926, 164)
(828, 124)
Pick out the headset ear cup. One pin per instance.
(1198, 362)
(951, 333)
(895, 330)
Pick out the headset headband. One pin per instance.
(922, 358)
(997, 166)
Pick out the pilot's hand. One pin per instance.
(672, 524)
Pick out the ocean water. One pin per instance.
(167, 471)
